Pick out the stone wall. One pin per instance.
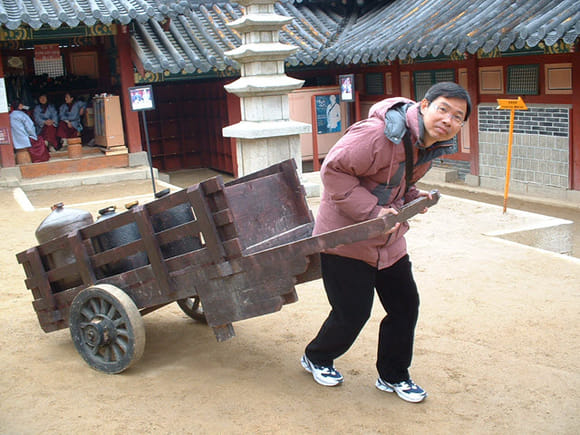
(540, 150)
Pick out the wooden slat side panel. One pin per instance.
(41, 279)
(67, 271)
(152, 249)
(223, 218)
(167, 202)
(106, 225)
(53, 245)
(206, 224)
(178, 232)
(30, 272)
(120, 252)
(83, 262)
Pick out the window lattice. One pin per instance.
(51, 67)
(425, 79)
(523, 79)
(374, 84)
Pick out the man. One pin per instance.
(364, 176)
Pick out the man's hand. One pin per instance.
(428, 195)
(388, 211)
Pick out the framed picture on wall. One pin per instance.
(141, 98)
(328, 116)
(346, 82)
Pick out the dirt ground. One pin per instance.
(497, 345)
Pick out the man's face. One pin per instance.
(42, 99)
(443, 118)
(68, 99)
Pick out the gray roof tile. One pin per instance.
(417, 28)
(196, 36)
(54, 13)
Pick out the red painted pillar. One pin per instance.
(234, 116)
(131, 127)
(575, 127)
(473, 90)
(6, 150)
(396, 77)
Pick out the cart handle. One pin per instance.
(374, 227)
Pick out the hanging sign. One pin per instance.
(141, 98)
(346, 87)
(46, 52)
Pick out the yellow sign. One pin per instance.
(512, 104)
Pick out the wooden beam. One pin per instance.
(472, 66)
(132, 130)
(7, 159)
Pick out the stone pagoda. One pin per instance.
(266, 135)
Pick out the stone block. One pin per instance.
(9, 182)
(472, 180)
(138, 159)
(313, 190)
(440, 175)
(491, 183)
(13, 172)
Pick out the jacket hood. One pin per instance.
(401, 113)
(380, 109)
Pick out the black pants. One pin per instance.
(350, 286)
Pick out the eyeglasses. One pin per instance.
(444, 111)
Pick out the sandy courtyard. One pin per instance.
(497, 346)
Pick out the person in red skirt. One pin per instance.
(69, 115)
(24, 134)
(46, 121)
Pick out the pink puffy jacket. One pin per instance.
(356, 165)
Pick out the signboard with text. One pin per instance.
(46, 52)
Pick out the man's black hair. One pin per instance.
(449, 90)
(15, 104)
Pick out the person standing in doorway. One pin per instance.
(365, 176)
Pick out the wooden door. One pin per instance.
(185, 129)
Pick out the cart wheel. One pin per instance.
(106, 328)
(192, 307)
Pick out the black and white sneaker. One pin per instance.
(327, 376)
(406, 390)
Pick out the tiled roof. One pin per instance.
(399, 29)
(196, 36)
(419, 28)
(55, 13)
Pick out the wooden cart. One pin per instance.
(255, 244)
